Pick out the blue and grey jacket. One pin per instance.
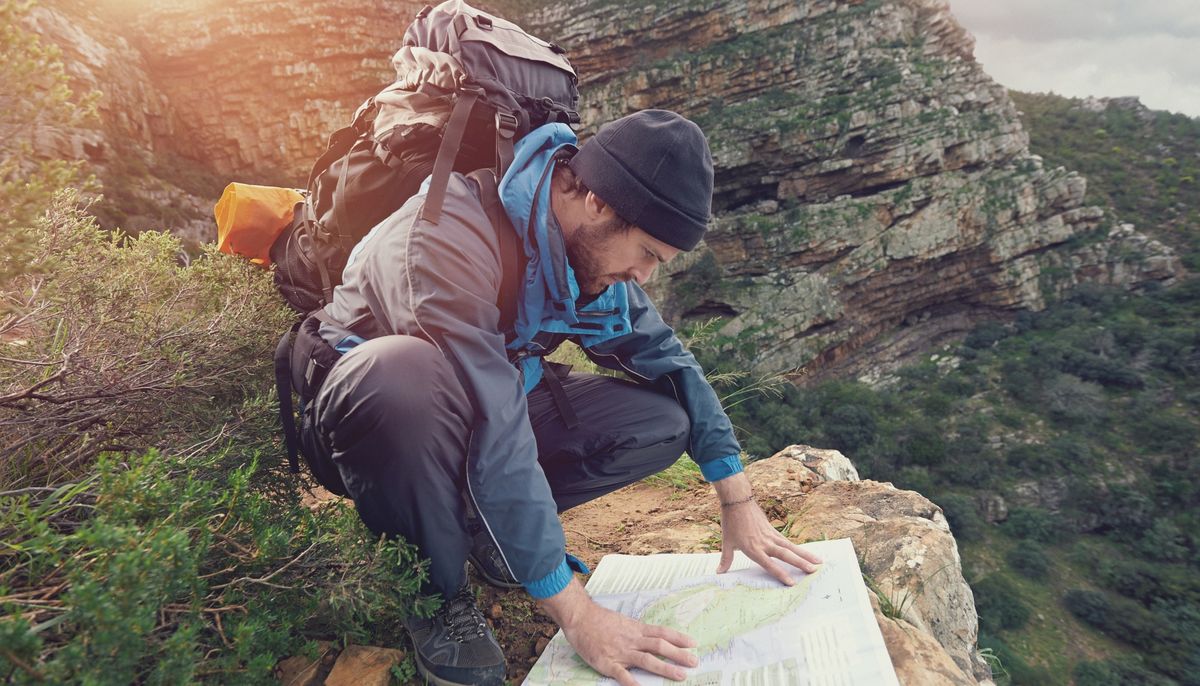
(441, 282)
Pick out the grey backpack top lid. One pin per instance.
(503, 60)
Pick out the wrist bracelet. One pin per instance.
(739, 502)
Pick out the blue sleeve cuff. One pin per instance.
(715, 470)
(557, 580)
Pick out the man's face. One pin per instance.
(606, 251)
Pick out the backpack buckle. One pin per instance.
(484, 23)
(506, 125)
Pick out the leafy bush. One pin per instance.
(998, 602)
(35, 93)
(1029, 560)
(168, 571)
(963, 517)
(850, 428)
(1012, 669)
(1118, 618)
(921, 443)
(1117, 673)
(1031, 524)
(1071, 401)
(113, 344)
(1164, 542)
(985, 335)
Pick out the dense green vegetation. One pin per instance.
(149, 532)
(1145, 164)
(1086, 418)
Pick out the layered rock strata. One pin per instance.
(875, 194)
(130, 147)
(875, 191)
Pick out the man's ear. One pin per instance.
(596, 207)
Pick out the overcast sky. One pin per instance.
(1148, 48)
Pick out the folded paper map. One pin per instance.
(748, 627)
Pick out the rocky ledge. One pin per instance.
(908, 556)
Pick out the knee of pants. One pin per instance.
(392, 385)
(671, 434)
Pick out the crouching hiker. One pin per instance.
(438, 416)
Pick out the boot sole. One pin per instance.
(498, 583)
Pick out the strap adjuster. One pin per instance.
(506, 125)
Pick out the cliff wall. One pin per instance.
(875, 193)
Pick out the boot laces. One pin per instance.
(463, 620)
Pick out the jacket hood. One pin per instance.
(525, 194)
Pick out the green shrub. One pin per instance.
(37, 96)
(1029, 560)
(161, 570)
(985, 335)
(1121, 619)
(1031, 524)
(1071, 401)
(124, 347)
(1031, 458)
(998, 602)
(1117, 673)
(850, 428)
(963, 517)
(1164, 542)
(1012, 669)
(921, 443)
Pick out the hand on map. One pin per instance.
(744, 527)
(612, 643)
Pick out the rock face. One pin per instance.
(874, 185)
(903, 541)
(132, 145)
(875, 194)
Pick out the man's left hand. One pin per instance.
(744, 527)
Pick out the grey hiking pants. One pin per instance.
(393, 420)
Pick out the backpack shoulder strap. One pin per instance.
(511, 264)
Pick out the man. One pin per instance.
(468, 447)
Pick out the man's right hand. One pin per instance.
(612, 643)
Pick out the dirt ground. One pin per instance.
(593, 530)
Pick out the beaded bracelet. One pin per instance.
(739, 502)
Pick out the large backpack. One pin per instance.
(468, 86)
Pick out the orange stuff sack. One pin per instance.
(249, 218)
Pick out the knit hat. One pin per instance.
(654, 169)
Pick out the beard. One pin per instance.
(586, 248)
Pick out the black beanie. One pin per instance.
(654, 169)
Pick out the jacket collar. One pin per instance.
(525, 194)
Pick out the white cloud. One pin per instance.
(1091, 47)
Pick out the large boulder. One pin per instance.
(903, 541)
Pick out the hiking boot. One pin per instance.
(455, 647)
(485, 558)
